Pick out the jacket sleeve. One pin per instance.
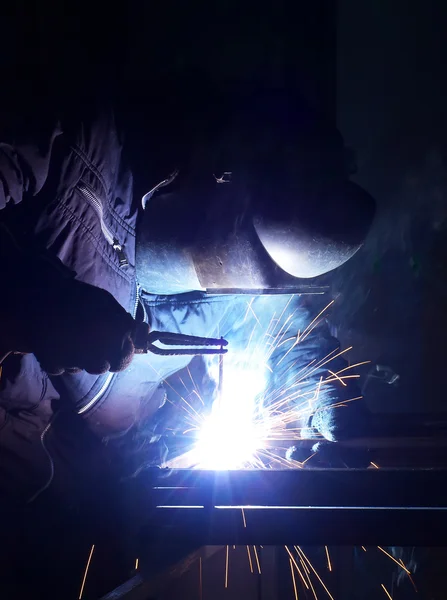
(25, 153)
(26, 146)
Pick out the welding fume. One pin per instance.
(196, 228)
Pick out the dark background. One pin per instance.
(378, 67)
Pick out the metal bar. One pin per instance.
(384, 527)
(369, 442)
(321, 506)
(293, 288)
(337, 488)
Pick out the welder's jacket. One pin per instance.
(68, 191)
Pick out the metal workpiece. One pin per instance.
(336, 488)
(321, 506)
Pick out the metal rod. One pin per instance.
(336, 488)
(323, 506)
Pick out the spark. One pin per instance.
(137, 562)
(359, 364)
(386, 591)
(257, 560)
(286, 307)
(318, 577)
(305, 567)
(247, 414)
(374, 465)
(293, 579)
(311, 325)
(86, 571)
(337, 377)
(249, 559)
(394, 560)
(184, 384)
(226, 566)
(363, 548)
(192, 380)
(321, 364)
(311, 586)
(295, 343)
(409, 576)
(329, 566)
(302, 577)
(338, 404)
(250, 308)
(198, 396)
(292, 558)
(243, 518)
(308, 458)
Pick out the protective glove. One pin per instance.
(67, 324)
(329, 455)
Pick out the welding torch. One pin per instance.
(174, 344)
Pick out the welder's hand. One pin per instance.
(71, 326)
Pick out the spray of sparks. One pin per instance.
(250, 419)
(301, 576)
(304, 575)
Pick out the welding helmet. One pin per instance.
(265, 205)
(183, 247)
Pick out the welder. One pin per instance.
(100, 230)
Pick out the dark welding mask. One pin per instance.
(219, 236)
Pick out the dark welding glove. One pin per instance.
(67, 324)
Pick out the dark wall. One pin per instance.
(80, 45)
(391, 93)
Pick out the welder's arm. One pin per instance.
(323, 386)
(67, 324)
(24, 165)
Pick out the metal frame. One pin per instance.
(315, 506)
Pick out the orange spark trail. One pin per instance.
(311, 586)
(305, 568)
(226, 568)
(409, 576)
(293, 579)
(394, 560)
(337, 377)
(304, 335)
(386, 591)
(249, 559)
(257, 560)
(292, 558)
(329, 566)
(318, 577)
(86, 571)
